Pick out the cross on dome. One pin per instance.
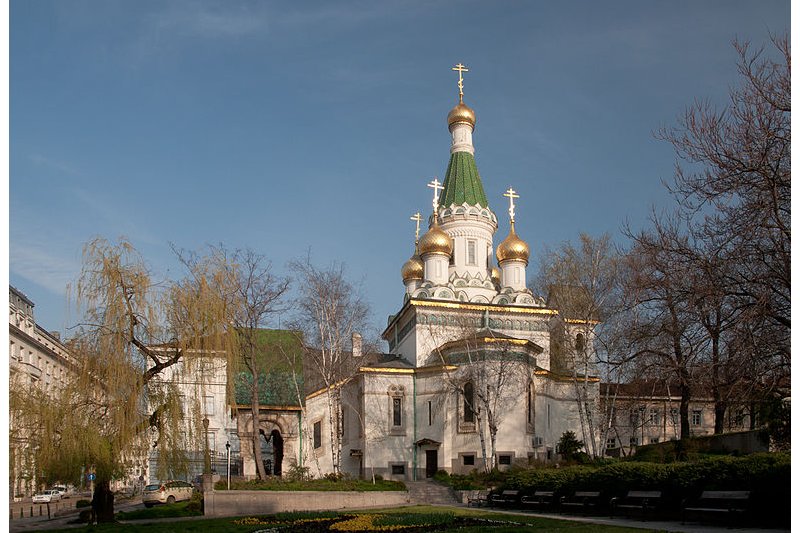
(436, 186)
(417, 218)
(511, 194)
(460, 69)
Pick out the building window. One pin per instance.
(504, 459)
(317, 434)
(634, 441)
(468, 460)
(397, 412)
(208, 405)
(739, 419)
(469, 402)
(430, 413)
(654, 417)
(398, 470)
(580, 343)
(673, 415)
(697, 417)
(611, 443)
(654, 440)
(471, 253)
(529, 405)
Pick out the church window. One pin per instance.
(469, 402)
(318, 434)
(469, 460)
(580, 342)
(471, 257)
(397, 410)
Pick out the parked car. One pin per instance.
(62, 490)
(47, 496)
(167, 492)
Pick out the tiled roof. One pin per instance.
(462, 183)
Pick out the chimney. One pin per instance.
(356, 345)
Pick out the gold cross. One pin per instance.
(511, 194)
(460, 68)
(436, 186)
(417, 218)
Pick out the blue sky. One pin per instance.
(295, 126)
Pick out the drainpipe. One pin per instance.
(414, 442)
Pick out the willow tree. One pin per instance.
(136, 336)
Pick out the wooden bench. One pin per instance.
(645, 502)
(723, 504)
(506, 498)
(583, 501)
(541, 499)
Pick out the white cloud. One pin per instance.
(38, 263)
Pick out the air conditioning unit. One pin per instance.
(538, 442)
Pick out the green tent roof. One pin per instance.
(462, 183)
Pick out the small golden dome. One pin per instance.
(413, 269)
(435, 241)
(461, 113)
(513, 248)
(495, 274)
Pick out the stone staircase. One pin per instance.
(430, 493)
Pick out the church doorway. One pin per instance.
(431, 462)
(277, 452)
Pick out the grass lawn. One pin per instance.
(411, 519)
(175, 510)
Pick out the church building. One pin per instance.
(472, 378)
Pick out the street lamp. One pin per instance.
(228, 450)
(207, 455)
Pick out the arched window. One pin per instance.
(580, 343)
(469, 402)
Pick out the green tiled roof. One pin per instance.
(462, 183)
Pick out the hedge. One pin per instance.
(766, 475)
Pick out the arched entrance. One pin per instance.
(272, 452)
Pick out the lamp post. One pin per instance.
(207, 455)
(228, 450)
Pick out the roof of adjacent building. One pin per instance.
(462, 182)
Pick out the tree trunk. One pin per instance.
(103, 502)
(256, 412)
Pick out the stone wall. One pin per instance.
(248, 502)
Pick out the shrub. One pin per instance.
(195, 505)
(82, 503)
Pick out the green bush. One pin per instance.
(82, 503)
(766, 475)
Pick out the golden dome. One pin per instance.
(495, 274)
(413, 269)
(513, 248)
(461, 113)
(435, 241)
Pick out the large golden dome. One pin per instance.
(513, 248)
(413, 269)
(461, 113)
(435, 241)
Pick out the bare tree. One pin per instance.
(738, 186)
(255, 295)
(583, 284)
(329, 310)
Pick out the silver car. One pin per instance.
(167, 492)
(47, 496)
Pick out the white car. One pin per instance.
(167, 492)
(47, 496)
(62, 490)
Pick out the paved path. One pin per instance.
(38, 524)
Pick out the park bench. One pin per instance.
(582, 501)
(724, 504)
(541, 499)
(477, 498)
(644, 502)
(507, 498)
